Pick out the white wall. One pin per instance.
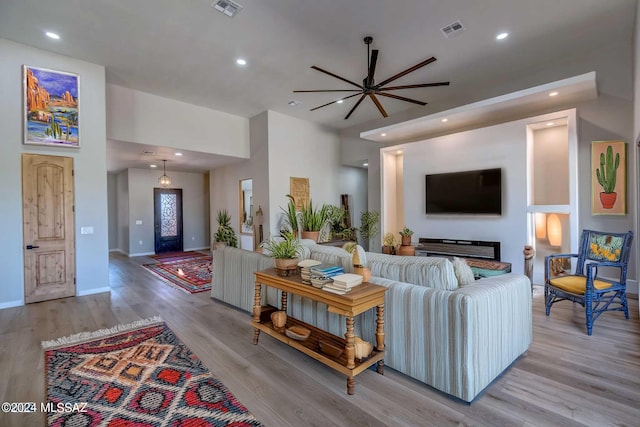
(122, 202)
(224, 181)
(144, 118)
(89, 163)
(195, 209)
(112, 205)
(551, 166)
(502, 146)
(298, 148)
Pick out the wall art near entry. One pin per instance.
(50, 107)
(299, 190)
(608, 178)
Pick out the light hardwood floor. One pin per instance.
(566, 378)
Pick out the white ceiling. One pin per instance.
(186, 50)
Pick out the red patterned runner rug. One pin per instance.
(138, 375)
(178, 256)
(191, 275)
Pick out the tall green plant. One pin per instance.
(369, 224)
(290, 215)
(607, 171)
(313, 219)
(225, 233)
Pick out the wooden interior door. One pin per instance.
(167, 204)
(48, 227)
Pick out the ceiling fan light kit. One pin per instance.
(369, 88)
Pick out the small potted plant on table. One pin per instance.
(285, 252)
(389, 244)
(406, 234)
(313, 219)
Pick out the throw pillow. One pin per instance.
(464, 274)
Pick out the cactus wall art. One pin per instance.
(608, 178)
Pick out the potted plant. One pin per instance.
(406, 234)
(358, 267)
(606, 175)
(313, 219)
(285, 252)
(389, 244)
(225, 233)
(291, 216)
(368, 226)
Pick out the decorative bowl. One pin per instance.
(330, 349)
(297, 332)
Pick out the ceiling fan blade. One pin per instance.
(336, 76)
(415, 86)
(328, 90)
(407, 71)
(354, 107)
(333, 102)
(375, 101)
(402, 98)
(372, 67)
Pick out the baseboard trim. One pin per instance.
(93, 291)
(10, 304)
(141, 254)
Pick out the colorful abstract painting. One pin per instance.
(51, 109)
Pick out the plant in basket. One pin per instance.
(225, 233)
(285, 252)
(313, 219)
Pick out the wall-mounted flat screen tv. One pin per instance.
(468, 192)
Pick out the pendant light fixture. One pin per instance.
(164, 180)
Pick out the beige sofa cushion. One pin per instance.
(432, 272)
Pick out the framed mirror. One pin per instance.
(246, 206)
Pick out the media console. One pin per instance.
(482, 256)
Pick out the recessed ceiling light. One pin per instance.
(445, 120)
(241, 61)
(153, 166)
(365, 164)
(550, 124)
(383, 134)
(553, 94)
(178, 154)
(52, 35)
(502, 36)
(399, 152)
(339, 101)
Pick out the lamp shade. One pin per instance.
(554, 230)
(541, 225)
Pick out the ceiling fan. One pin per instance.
(368, 86)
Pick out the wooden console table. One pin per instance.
(359, 300)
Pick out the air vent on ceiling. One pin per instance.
(293, 103)
(228, 7)
(149, 153)
(453, 29)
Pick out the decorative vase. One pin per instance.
(406, 240)
(407, 250)
(219, 245)
(286, 266)
(608, 199)
(362, 271)
(313, 235)
(279, 319)
(387, 250)
(363, 348)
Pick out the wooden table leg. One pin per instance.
(257, 308)
(380, 335)
(283, 301)
(350, 347)
(351, 385)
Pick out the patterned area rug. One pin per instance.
(177, 256)
(191, 274)
(144, 377)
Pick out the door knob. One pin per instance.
(32, 247)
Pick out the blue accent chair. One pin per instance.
(596, 294)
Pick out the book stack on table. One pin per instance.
(343, 283)
(322, 274)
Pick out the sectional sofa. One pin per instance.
(457, 339)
